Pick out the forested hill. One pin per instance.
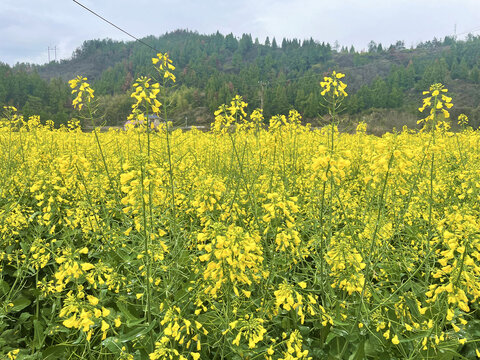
(211, 69)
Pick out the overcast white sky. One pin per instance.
(29, 27)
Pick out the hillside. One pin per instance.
(211, 69)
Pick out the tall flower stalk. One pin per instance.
(164, 67)
(333, 92)
(145, 108)
(438, 103)
(84, 95)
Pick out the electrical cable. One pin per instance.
(276, 81)
(117, 27)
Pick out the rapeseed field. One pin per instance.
(255, 240)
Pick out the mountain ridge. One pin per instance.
(211, 69)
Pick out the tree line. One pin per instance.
(211, 69)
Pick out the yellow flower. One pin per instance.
(71, 322)
(104, 329)
(462, 119)
(12, 355)
(165, 66)
(105, 326)
(441, 102)
(333, 86)
(85, 322)
(83, 91)
(395, 340)
(83, 251)
(117, 322)
(87, 266)
(247, 293)
(10, 108)
(92, 300)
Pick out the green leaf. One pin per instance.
(24, 316)
(55, 352)
(112, 344)
(4, 287)
(20, 303)
(330, 337)
(360, 353)
(38, 334)
(373, 347)
(412, 305)
(304, 330)
(126, 312)
(286, 323)
(137, 332)
(339, 332)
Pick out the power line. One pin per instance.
(115, 26)
(469, 31)
(151, 47)
(277, 81)
(317, 75)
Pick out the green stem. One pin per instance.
(110, 180)
(371, 251)
(430, 205)
(146, 250)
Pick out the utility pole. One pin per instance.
(54, 49)
(262, 89)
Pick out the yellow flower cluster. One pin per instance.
(436, 101)
(232, 256)
(250, 328)
(252, 226)
(12, 355)
(346, 266)
(462, 119)
(178, 331)
(294, 349)
(164, 66)
(83, 91)
(333, 86)
(288, 298)
(145, 94)
(227, 116)
(285, 123)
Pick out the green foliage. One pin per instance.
(216, 67)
